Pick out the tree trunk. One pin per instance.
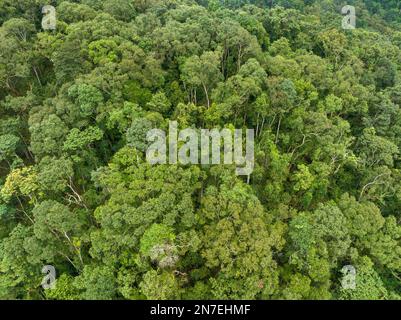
(207, 95)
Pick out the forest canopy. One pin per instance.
(77, 193)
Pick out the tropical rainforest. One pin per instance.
(77, 193)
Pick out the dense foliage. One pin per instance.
(77, 193)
